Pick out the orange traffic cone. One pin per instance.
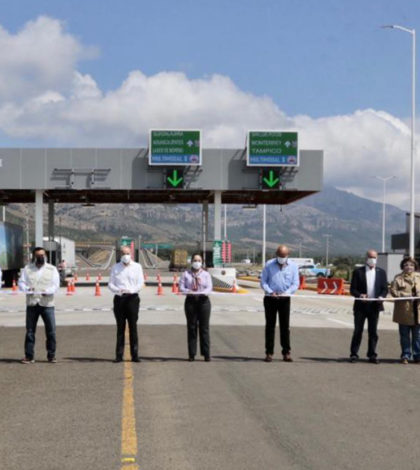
(100, 277)
(87, 277)
(234, 287)
(73, 287)
(174, 285)
(159, 289)
(97, 289)
(14, 287)
(69, 291)
(302, 283)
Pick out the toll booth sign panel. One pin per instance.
(217, 253)
(272, 148)
(175, 147)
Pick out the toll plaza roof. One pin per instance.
(117, 175)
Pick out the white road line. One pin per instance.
(349, 325)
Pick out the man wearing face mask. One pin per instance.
(125, 282)
(40, 281)
(368, 282)
(279, 279)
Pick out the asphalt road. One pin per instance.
(236, 412)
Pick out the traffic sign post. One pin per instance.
(217, 253)
(175, 147)
(174, 178)
(270, 178)
(272, 148)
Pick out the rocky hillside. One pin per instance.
(354, 223)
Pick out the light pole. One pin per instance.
(263, 234)
(327, 246)
(384, 179)
(225, 223)
(413, 123)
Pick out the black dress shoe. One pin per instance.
(118, 359)
(191, 359)
(374, 360)
(136, 359)
(207, 358)
(353, 358)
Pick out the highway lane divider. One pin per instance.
(129, 447)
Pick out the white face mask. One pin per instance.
(281, 260)
(196, 265)
(125, 259)
(371, 262)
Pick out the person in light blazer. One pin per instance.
(367, 282)
(406, 312)
(196, 283)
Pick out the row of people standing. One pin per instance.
(279, 280)
(40, 281)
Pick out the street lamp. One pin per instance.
(413, 122)
(384, 179)
(327, 246)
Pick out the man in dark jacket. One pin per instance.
(368, 282)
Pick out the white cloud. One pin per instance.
(44, 98)
(38, 57)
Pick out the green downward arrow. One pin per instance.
(271, 181)
(174, 180)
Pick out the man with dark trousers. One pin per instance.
(125, 282)
(368, 282)
(279, 279)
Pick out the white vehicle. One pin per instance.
(314, 270)
(302, 261)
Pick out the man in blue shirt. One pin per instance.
(279, 279)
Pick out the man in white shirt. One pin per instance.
(125, 282)
(40, 281)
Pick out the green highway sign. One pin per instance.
(160, 246)
(272, 148)
(175, 147)
(174, 178)
(270, 178)
(125, 241)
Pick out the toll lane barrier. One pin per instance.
(332, 286)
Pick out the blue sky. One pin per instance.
(316, 57)
(98, 73)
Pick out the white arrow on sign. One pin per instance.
(325, 287)
(335, 288)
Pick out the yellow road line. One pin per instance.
(128, 420)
